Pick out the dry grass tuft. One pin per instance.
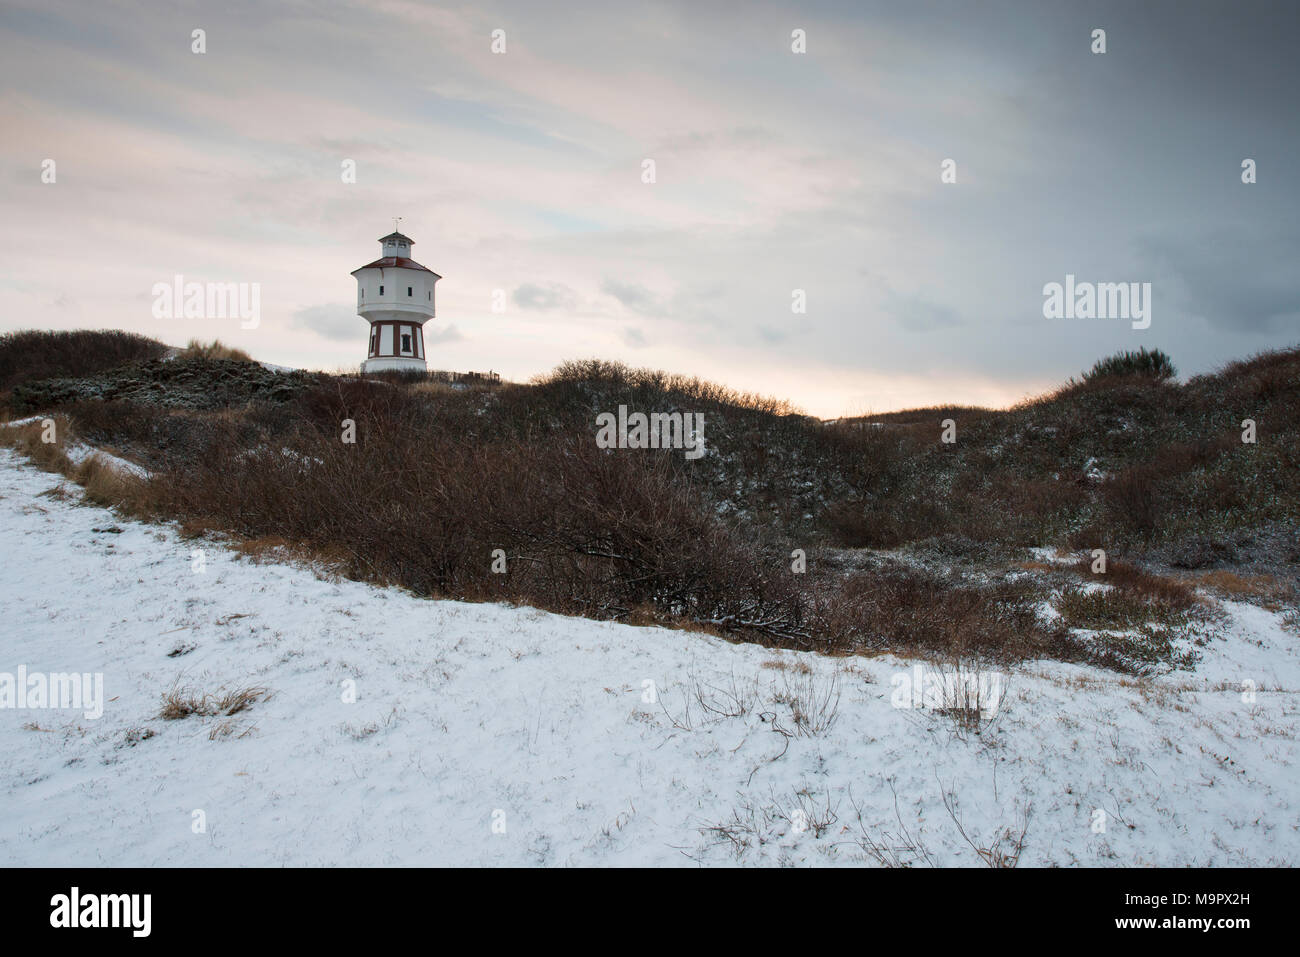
(216, 349)
(1266, 590)
(267, 548)
(102, 483)
(28, 440)
(106, 486)
(181, 703)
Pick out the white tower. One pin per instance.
(395, 295)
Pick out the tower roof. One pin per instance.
(395, 262)
(397, 237)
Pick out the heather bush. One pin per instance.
(31, 355)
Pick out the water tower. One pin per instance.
(395, 295)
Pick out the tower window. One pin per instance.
(406, 342)
(381, 290)
(408, 291)
(431, 295)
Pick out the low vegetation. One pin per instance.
(499, 492)
(32, 355)
(216, 349)
(1152, 364)
(179, 703)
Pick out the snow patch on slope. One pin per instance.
(468, 714)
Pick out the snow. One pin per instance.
(77, 452)
(1048, 553)
(470, 714)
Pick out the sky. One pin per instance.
(779, 176)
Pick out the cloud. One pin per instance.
(522, 173)
(921, 315)
(447, 334)
(634, 297)
(544, 296)
(341, 323)
(1239, 279)
(335, 321)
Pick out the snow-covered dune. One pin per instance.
(484, 734)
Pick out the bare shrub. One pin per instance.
(1169, 597)
(605, 372)
(808, 813)
(735, 700)
(813, 700)
(927, 615)
(438, 481)
(1265, 376)
(585, 530)
(1132, 499)
(708, 702)
(755, 825)
(748, 824)
(1146, 606)
(1007, 844)
(892, 849)
(971, 695)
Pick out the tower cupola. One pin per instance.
(397, 246)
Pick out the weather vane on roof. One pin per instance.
(396, 220)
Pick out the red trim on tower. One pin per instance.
(395, 262)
